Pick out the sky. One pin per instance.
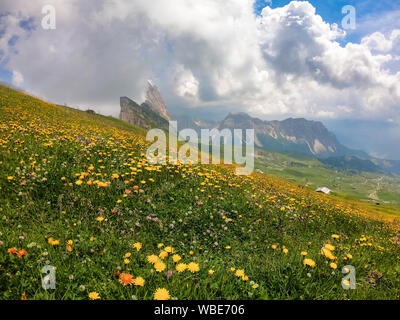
(272, 59)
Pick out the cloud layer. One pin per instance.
(285, 62)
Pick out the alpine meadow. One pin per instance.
(78, 194)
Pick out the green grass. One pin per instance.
(207, 214)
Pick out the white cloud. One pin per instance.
(17, 78)
(203, 53)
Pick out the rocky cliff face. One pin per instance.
(299, 135)
(155, 101)
(141, 115)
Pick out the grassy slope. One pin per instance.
(62, 169)
(310, 172)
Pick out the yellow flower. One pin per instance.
(69, 248)
(139, 281)
(349, 256)
(53, 242)
(169, 249)
(10, 178)
(91, 239)
(160, 245)
(245, 278)
(239, 273)
(329, 247)
(176, 257)
(78, 182)
(152, 258)
(100, 219)
(181, 267)
(161, 294)
(285, 251)
(94, 295)
(327, 253)
(127, 255)
(159, 266)
(333, 265)
(228, 247)
(304, 253)
(70, 242)
(273, 246)
(233, 269)
(126, 261)
(163, 254)
(191, 252)
(137, 245)
(211, 271)
(335, 236)
(193, 267)
(309, 262)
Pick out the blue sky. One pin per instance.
(331, 11)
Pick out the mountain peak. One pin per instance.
(155, 100)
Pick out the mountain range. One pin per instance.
(291, 135)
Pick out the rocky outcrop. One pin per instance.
(155, 101)
(141, 115)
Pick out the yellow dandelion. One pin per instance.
(181, 267)
(193, 267)
(161, 294)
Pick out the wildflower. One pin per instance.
(304, 253)
(333, 265)
(139, 281)
(176, 257)
(78, 182)
(12, 250)
(228, 247)
(193, 267)
(274, 246)
(23, 296)
(329, 247)
(285, 251)
(137, 246)
(53, 242)
(233, 269)
(163, 254)
(152, 258)
(349, 256)
(161, 294)
(309, 262)
(100, 219)
(127, 261)
(127, 255)
(91, 239)
(335, 236)
(239, 273)
(21, 253)
(160, 245)
(94, 295)
(70, 242)
(169, 249)
(245, 278)
(191, 252)
(211, 271)
(69, 248)
(126, 278)
(181, 267)
(159, 266)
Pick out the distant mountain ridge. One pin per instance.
(299, 135)
(289, 135)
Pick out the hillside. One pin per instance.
(79, 195)
(344, 177)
